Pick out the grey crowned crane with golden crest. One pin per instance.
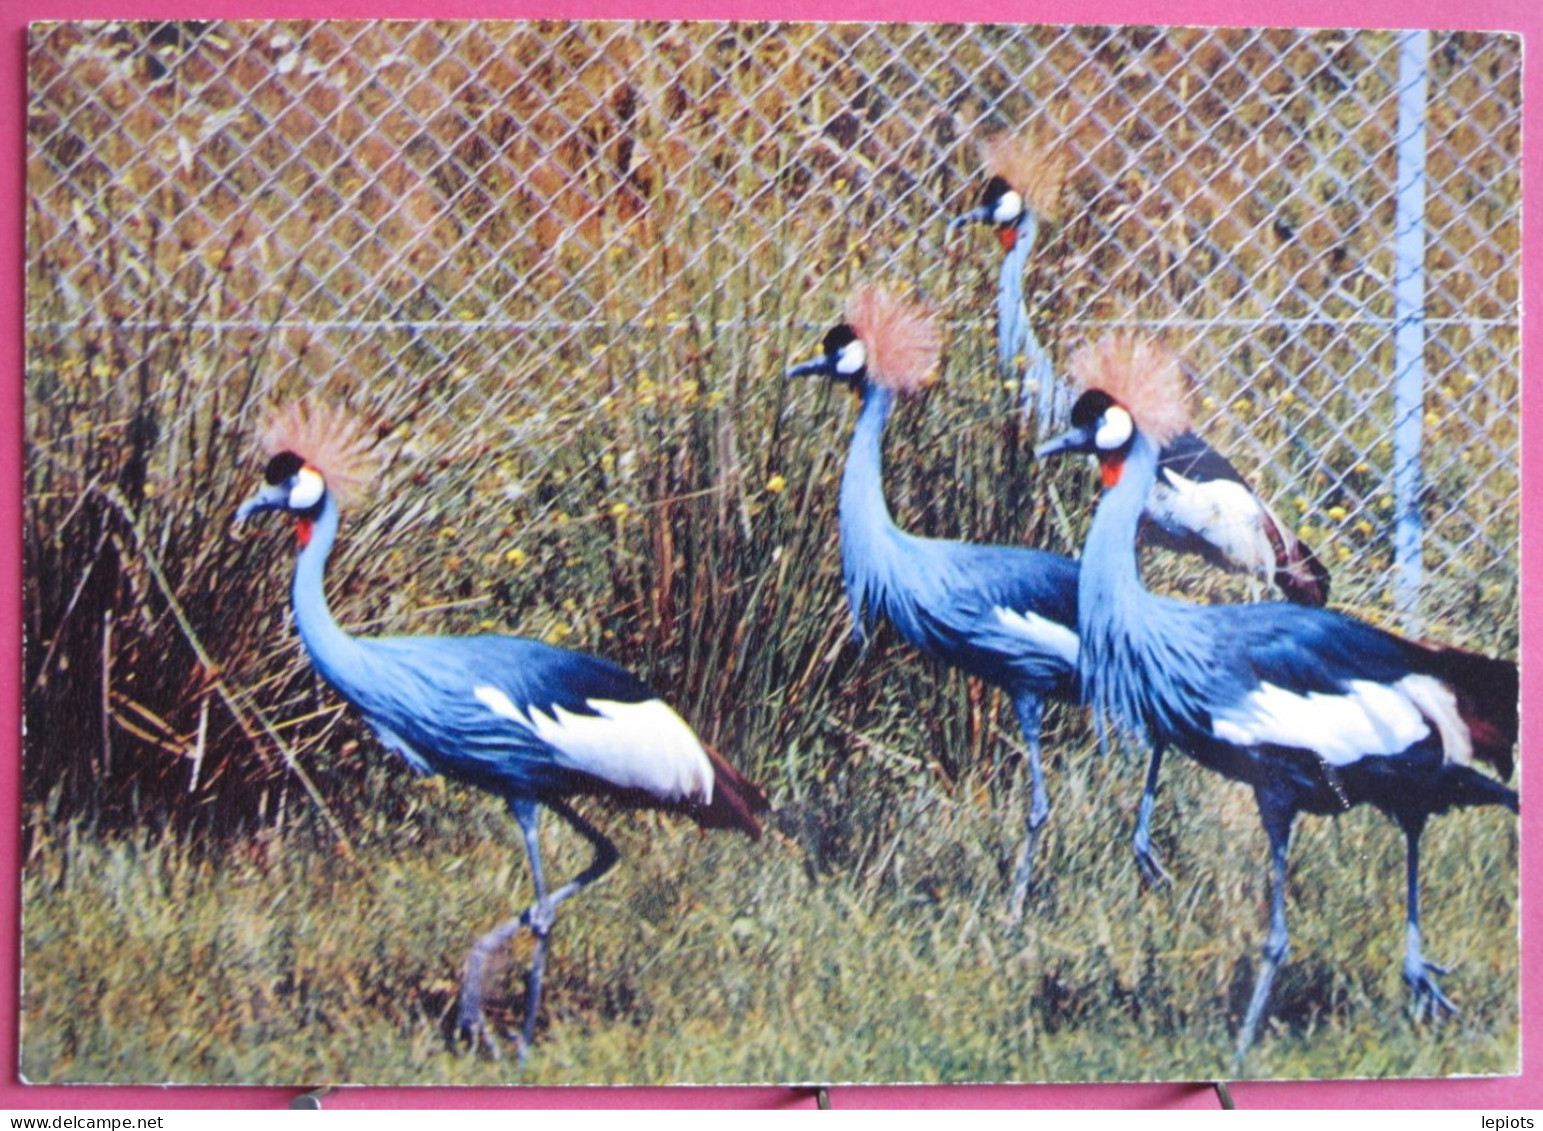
(532, 723)
(1316, 711)
(1199, 504)
(1004, 613)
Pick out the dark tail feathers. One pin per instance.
(1465, 786)
(1487, 692)
(1300, 576)
(736, 800)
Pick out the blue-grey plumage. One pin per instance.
(1017, 227)
(1199, 504)
(530, 722)
(1006, 614)
(969, 605)
(1316, 711)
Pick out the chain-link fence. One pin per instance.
(536, 255)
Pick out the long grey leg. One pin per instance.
(544, 914)
(1101, 733)
(1152, 870)
(539, 917)
(1031, 710)
(1419, 973)
(1277, 816)
(473, 1020)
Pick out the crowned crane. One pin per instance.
(529, 722)
(1023, 190)
(1199, 502)
(1003, 613)
(1315, 710)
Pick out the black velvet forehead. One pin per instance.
(838, 338)
(282, 467)
(1090, 407)
(996, 188)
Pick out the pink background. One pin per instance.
(1525, 16)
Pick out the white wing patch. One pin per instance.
(644, 746)
(1368, 719)
(500, 704)
(1052, 637)
(1224, 513)
(1439, 705)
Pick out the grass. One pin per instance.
(710, 959)
(561, 279)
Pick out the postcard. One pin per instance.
(577, 552)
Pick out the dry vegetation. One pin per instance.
(561, 269)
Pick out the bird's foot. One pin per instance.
(474, 1028)
(1153, 874)
(1429, 1004)
(478, 1034)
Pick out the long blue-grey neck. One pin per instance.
(333, 652)
(1114, 609)
(869, 537)
(1043, 395)
(1012, 313)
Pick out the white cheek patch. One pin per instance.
(1114, 430)
(1054, 638)
(1008, 208)
(308, 489)
(852, 358)
(1368, 719)
(644, 746)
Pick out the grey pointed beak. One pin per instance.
(981, 215)
(820, 366)
(1075, 440)
(271, 498)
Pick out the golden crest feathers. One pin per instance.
(328, 438)
(903, 338)
(1141, 374)
(1032, 164)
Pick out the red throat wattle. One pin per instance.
(303, 528)
(1009, 238)
(1110, 468)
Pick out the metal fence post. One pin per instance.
(1409, 325)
